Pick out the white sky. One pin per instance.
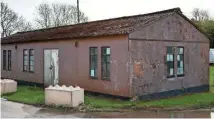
(103, 9)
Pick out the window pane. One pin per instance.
(104, 67)
(167, 58)
(93, 61)
(107, 51)
(31, 52)
(180, 62)
(170, 57)
(103, 51)
(92, 72)
(4, 52)
(169, 50)
(94, 58)
(31, 62)
(25, 52)
(181, 70)
(25, 62)
(91, 58)
(105, 62)
(95, 72)
(180, 50)
(31, 58)
(93, 65)
(9, 66)
(181, 57)
(178, 57)
(170, 64)
(104, 70)
(171, 72)
(32, 68)
(9, 52)
(9, 60)
(93, 51)
(170, 61)
(108, 59)
(178, 71)
(25, 58)
(4, 60)
(104, 58)
(25, 68)
(108, 70)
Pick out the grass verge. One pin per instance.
(27, 95)
(35, 96)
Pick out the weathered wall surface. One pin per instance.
(147, 48)
(74, 63)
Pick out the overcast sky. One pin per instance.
(103, 9)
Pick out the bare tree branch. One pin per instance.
(11, 22)
(58, 15)
(44, 16)
(23, 25)
(200, 14)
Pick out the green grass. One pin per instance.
(105, 102)
(187, 101)
(35, 95)
(28, 95)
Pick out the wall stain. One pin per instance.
(138, 69)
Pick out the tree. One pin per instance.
(23, 25)
(57, 15)
(208, 27)
(200, 14)
(11, 22)
(44, 16)
(204, 21)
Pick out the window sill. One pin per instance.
(6, 70)
(182, 75)
(93, 78)
(171, 76)
(28, 71)
(106, 79)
